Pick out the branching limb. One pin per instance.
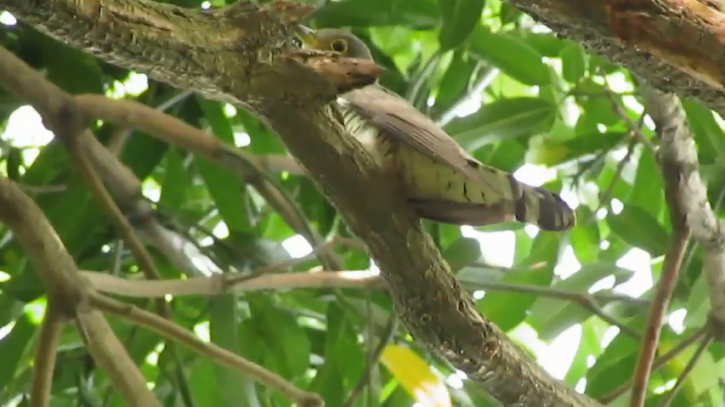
(66, 119)
(687, 370)
(224, 283)
(286, 89)
(670, 268)
(659, 362)
(67, 288)
(680, 165)
(665, 287)
(62, 115)
(172, 331)
(174, 131)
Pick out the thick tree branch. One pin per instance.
(673, 45)
(227, 59)
(223, 59)
(237, 54)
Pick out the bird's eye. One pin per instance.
(296, 42)
(339, 46)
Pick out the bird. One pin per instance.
(440, 180)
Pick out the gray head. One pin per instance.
(335, 39)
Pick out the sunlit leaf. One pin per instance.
(415, 376)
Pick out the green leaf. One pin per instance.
(454, 84)
(709, 136)
(287, 342)
(511, 55)
(502, 120)
(507, 309)
(459, 22)
(203, 383)
(546, 44)
(367, 13)
(224, 186)
(461, 253)
(343, 357)
(176, 180)
(551, 316)
(13, 347)
(613, 367)
(72, 69)
(509, 14)
(234, 388)
(640, 229)
(589, 346)
(647, 191)
(585, 236)
(698, 303)
(591, 143)
(573, 62)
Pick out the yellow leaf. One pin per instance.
(416, 376)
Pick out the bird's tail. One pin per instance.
(543, 208)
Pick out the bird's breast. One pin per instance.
(366, 134)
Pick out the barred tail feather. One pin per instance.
(543, 208)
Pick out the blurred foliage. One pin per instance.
(510, 92)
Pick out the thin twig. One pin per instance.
(175, 332)
(45, 357)
(658, 363)
(176, 132)
(665, 287)
(670, 396)
(385, 337)
(621, 113)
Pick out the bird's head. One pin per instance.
(333, 39)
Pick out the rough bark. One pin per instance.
(239, 56)
(675, 45)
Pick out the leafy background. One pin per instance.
(511, 93)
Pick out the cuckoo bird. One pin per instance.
(440, 180)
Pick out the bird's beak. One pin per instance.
(308, 37)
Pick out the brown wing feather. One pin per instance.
(400, 120)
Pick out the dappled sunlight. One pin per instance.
(5, 330)
(25, 130)
(547, 110)
(7, 18)
(134, 85)
(609, 336)
(560, 354)
(497, 248)
(676, 320)
(568, 263)
(297, 246)
(638, 261)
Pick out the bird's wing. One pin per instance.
(394, 117)
(398, 119)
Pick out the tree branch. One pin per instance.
(67, 289)
(45, 357)
(679, 162)
(170, 330)
(675, 46)
(244, 61)
(247, 60)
